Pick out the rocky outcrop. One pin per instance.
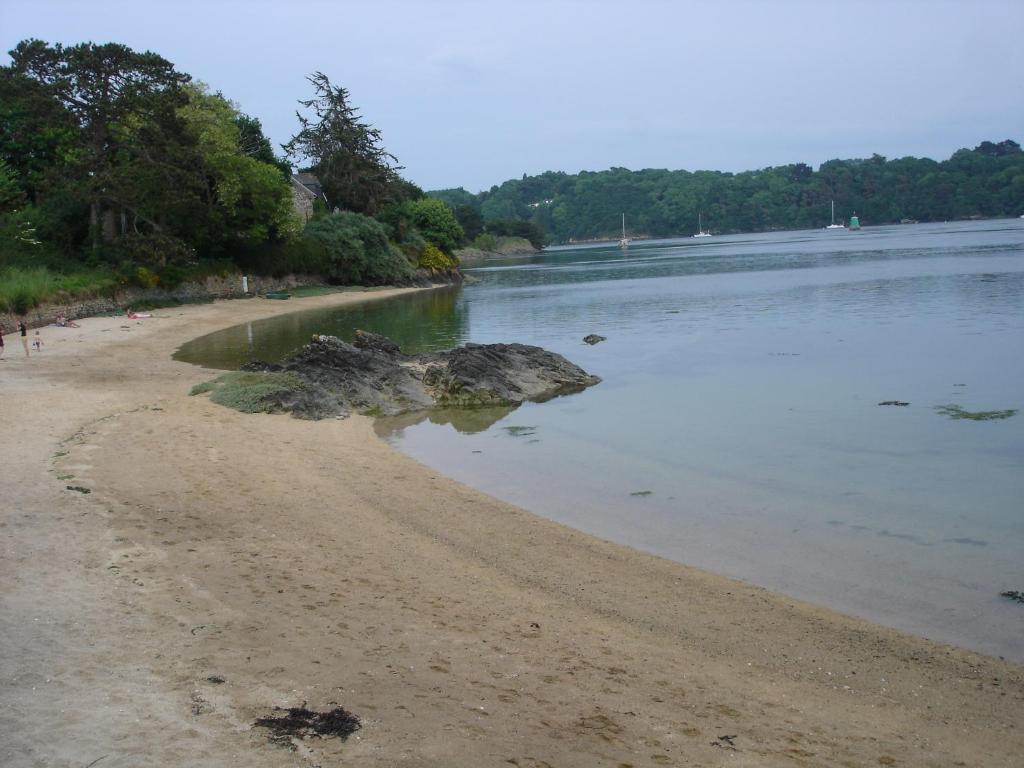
(373, 376)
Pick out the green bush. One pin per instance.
(357, 250)
(426, 219)
(146, 278)
(436, 260)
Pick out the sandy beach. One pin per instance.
(173, 570)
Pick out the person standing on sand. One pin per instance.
(24, 335)
(1, 342)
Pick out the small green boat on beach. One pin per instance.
(277, 295)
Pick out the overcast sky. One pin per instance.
(473, 93)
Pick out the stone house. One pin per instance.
(306, 189)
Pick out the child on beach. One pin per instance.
(37, 342)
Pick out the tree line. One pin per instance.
(987, 181)
(116, 168)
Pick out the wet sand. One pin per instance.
(310, 562)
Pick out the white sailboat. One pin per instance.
(700, 227)
(833, 225)
(624, 242)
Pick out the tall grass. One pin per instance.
(22, 289)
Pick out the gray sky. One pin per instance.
(473, 93)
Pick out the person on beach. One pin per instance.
(24, 335)
(37, 342)
(1, 342)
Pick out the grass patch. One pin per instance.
(956, 412)
(249, 392)
(303, 291)
(23, 289)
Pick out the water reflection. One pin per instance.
(466, 421)
(419, 322)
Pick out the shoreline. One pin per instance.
(310, 561)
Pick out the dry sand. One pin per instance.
(309, 562)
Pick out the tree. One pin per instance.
(345, 153)
(247, 198)
(436, 222)
(1001, 149)
(11, 194)
(109, 91)
(470, 220)
(36, 132)
(253, 143)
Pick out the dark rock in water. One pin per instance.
(894, 402)
(374, 342)
(374, 377)
(1014, 595)
(592, 339)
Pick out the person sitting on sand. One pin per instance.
(63, 322)
(136, 315)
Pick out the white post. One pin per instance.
(245, 284)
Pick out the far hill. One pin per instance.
(984, 182)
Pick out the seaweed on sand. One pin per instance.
(956, 412)
(249, 392)
(302, 723)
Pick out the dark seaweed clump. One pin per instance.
(956, 412)
(302, 723)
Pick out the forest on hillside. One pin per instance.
(984, 182)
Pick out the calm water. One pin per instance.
(737, 427)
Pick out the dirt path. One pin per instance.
(223, 564)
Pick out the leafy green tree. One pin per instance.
(436, 221)
(247, 197)
(108, 91)
(470, 220)
(255, 144)
(12, 196)
(36, 132)
(345, 153)
(457, 197)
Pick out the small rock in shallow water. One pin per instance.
(893, 402)
(593, 339)
(1014, 595)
